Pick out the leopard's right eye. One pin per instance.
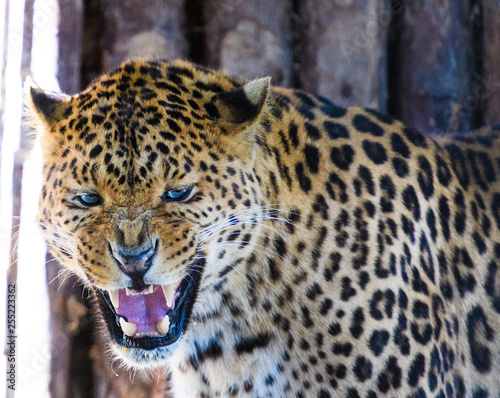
(90, 200)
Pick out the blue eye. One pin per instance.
(90, 200)
(177, 195)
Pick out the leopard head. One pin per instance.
(148, 174)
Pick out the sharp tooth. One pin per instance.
(150, 289)
(163, 325)
(113, 295)
(129, 328)
(169, 291)
(128, 291)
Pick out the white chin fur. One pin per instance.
(137, 358)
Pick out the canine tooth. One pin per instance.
(129, 328)
(113, 295)
(150, 289)
(163, 325)
(169, 291)
(128, 291)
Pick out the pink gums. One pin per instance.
(145, 310)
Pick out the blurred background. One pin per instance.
(435, 64)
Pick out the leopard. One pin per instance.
(260, 241)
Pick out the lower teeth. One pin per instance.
(129, 328)
(164, 325)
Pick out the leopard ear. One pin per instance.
(49, 106)
(242, 106)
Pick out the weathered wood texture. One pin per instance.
(148, 29)
(434, 64)
(488, 91)
(70, 46)
(250, 38)
(341, 50)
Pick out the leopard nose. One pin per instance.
(134, 261)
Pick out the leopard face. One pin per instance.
(130, 202)
(266, 242)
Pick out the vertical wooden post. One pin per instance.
(342, 48)
(250, 38)
(436, 61)
(70, 45)
(491, 79)
(145, 29)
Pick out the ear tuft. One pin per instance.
(48, 105)
(244, 104)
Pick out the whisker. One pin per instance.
(224, 244)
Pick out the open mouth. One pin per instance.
(153, 317)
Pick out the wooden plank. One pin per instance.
(250, 38)
(491, 81)
(70, 45)
(146, 29)
(436, 60)
(342, 50)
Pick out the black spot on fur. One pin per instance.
(293, 134)
(415, 137)
(399, 145)
(443, 171)
(458, 164)
(333, 110)
(400, 167)
(251, 343)
(425, 177)
(342, 157)
(363, 369)
(410, 200)
(375, 151)
(417, 370)
(162, 148)
(335, 130)
(95, 151)
(365, 125)
(312, 158)
(479, 333)
(378, 341)
(312, 131)
(304, 181)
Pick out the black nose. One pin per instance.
(135, 262)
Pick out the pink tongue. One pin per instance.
(145, 310)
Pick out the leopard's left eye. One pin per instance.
(177, 195)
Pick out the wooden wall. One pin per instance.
(435, 64)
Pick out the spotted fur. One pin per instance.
(340, 253)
